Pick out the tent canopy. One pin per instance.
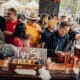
(33, 5)
(12, 3)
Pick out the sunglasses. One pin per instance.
(33, 20)
(9, 13)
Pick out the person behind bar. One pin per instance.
(60, 40)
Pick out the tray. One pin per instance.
(23, 65)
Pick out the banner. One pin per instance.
(49, 6)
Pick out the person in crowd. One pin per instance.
(54, 18)
(72, 28)
(28, 40)
(7, 51)
(70, 19)
(51, 16)
(63, 18)
(44, 22)
(2, 23)
(10, 25)
(32, 28)
(72, 33)
(48, 31)
(2, 38)
(6, 18)
(21, 18)
(60, 40)
(19, 36)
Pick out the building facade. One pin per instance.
(24, 1)
(2, 1)
(21, 1)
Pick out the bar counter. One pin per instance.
(56, 75)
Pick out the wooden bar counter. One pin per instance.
(56, 75)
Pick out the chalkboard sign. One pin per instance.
(27, 53)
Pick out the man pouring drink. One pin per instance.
(62, 39)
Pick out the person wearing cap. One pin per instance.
(32, 28)
(61, 39)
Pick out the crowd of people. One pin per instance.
(39, 31)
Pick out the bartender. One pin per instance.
(61, 39)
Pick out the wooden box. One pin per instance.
(13, 66)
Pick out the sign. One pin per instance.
(28, 53)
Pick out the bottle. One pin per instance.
(75, 62)
(75, 66)
(48, 63)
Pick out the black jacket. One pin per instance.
(51, 45)
(2, 23)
